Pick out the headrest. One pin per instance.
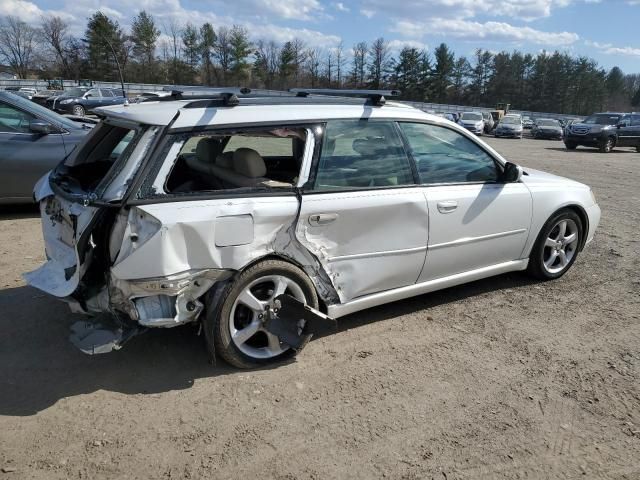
(249, 163)
(369, 146)
(207, 149)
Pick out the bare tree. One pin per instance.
(379, 66)
(299, 50)
(329, 66)
(267, 62)
(340, 61)
(222, 53)
(17, 44)
(359, 51)
(55, 34)
(173, 30)
(313, 65)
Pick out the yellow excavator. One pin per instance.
(501, 110)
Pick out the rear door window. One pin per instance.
(361, 154)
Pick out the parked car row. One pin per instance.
(77, 100)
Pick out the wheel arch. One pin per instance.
(285, 258)
(578, 210)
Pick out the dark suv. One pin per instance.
(598, 131)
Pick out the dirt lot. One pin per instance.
(503, 378)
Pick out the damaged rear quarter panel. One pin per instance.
(188, 232)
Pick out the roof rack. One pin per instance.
(377, 97)
(227, 96)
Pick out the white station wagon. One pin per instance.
(266, 218)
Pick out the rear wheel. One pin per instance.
(557, 245)
(236, 331)
(570, 145)
(607, 145)
(78, 110)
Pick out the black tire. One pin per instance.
(78, 110)
(536, 266)
(638, 149)
(607, 145)
(570, 145)
(216, 322)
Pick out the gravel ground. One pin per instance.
(502, 378)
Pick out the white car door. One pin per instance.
(363, 216)
(475, 220)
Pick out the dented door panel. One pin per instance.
(367, 241)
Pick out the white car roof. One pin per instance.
(162, 113)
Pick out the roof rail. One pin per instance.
(228, 96)
(377, 97)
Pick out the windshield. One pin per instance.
(602, 119)
(74, 92)
(471, 116)
(511, 121)
(548, 123)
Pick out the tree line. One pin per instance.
(227, 56)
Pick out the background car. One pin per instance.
(24, 92)
(598, 131)
(472, 121)
(509, 126)
(151, 96)
(527, 123)
(629, 131)
(80, 100)
(488, 122)
(33, 140)
(547, 128)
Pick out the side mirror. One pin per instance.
(512, 173)
(40, 126)
(621, 124)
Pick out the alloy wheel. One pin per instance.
(560, 246)
(249, 313)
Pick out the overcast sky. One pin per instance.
(607, 30)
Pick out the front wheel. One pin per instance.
(557, 245)
(78, 110)
(236, 330)
(570, 145)
(607, 145)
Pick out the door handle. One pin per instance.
(447, 206)
(318, 219)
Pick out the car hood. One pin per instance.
(538, 177)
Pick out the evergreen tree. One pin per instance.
(442, 72)
(144, 35)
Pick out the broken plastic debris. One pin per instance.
(94, 338)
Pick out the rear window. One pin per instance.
(104, 146)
